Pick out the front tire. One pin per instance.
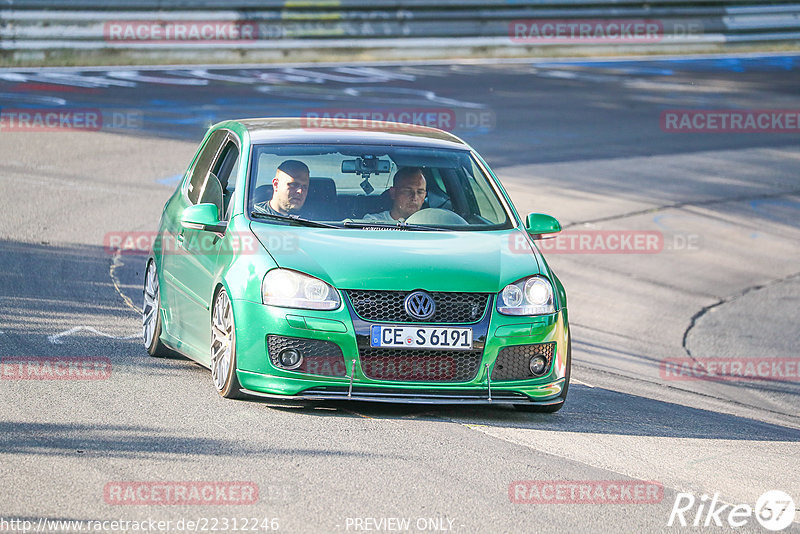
(151, 314)
(552, 408)
(223, 348)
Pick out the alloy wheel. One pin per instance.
(150, 306)
(221, 340)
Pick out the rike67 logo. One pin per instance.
(774, 510)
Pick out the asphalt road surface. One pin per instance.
(586, 141)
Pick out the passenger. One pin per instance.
(289, 189)
(408, 193)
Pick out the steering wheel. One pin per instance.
(436, 216)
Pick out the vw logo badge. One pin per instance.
(419, 305)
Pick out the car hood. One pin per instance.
(483, 261)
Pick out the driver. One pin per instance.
(289, 189)
(408, 193)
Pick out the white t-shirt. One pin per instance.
(384, 216)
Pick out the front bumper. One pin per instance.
(409, 396)
(258, 376)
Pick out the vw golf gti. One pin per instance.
(379, 262)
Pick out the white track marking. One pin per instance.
(13, 77)
(80, 80)
(575, 380)
(135, 76)
(205, 75)
(352, 76)
(32, 99)
(55, 339)
(381, 74)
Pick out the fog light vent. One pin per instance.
(302, 355)
(523, 362)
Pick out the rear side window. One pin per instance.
(203, 165)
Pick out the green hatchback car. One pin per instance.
(369, 262)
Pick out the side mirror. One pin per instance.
(202, 217)
(539, 224)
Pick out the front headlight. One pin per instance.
(529, 296)
(290, 289)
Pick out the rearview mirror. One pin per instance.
(366, 165)
(539, 224)
(203, 217)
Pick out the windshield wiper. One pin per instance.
(292, 219)
(391, 226)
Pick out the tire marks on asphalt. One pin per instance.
(116, 263)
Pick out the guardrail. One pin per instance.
(162, 26)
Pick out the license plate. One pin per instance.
(421, 337)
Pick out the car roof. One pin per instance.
(347, 131)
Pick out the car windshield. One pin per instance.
(365, 186)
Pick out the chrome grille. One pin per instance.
(388, 306)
